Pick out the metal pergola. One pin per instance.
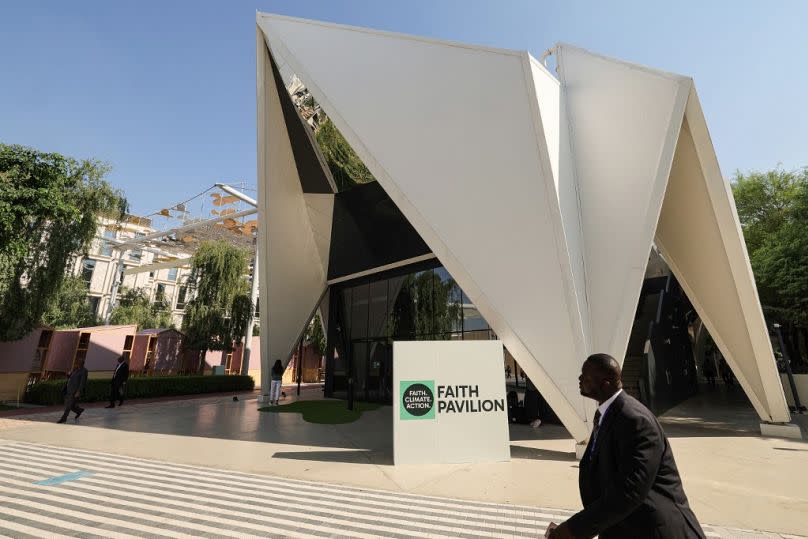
(230, 219)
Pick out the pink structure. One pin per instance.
(46, 353)
(100, 347)
(157, 351)
(62, 349)
(311, 369)
(21, 362)
(230, 360)
(18, 356)
(255, 358)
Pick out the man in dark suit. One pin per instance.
(119, 378)
(628, 480)
(74, 388)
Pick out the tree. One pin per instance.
(70, 307)
(346, 167)
(426, 307)
(773, 210)
(437, 312)
(49, 205)
(765, 201)
(134, 307)
(781, 263)
(315, 335)
(217, 316)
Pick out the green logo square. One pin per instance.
(417, 399)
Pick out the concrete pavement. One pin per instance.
(733, 477)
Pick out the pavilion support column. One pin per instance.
(263, 79)
(245, 359)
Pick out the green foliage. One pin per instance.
(315, 335)
(70, 307)
(50, 391)
(436, 313)
(134, 307)
(773, 210)
(765, 201)
(49, 205)
(346, 167)
(425, 308)
(324, 412)
(217, 316)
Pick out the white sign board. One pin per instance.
(449, 402)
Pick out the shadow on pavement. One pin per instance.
(721, 411)
(534, 453)
(521, 433)
(359, 456)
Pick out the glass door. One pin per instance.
(380, 371)
(373, 369)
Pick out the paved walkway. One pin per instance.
(733, 477)
(311, 389)
(49, 491)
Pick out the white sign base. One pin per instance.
(449, 402)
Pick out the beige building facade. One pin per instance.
(97, 268)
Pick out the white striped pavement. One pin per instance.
(133, 497)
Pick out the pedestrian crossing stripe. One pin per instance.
(118, 496)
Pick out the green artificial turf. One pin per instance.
(325, 412)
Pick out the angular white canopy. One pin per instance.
(541, 197)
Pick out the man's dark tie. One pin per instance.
(595, 427)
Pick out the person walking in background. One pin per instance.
(119, 378)
(629, 483)
(275, 384)
(74, 388)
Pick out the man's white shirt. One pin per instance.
(605, 406)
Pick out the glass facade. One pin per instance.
(181, 297)
(367, 316)
(160, 293)
(87, 269)
(106, 247)
(94, 300)
(137, 254)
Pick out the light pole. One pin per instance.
(798, 407)
(245, 360)
(300, 363)
(247, 351)
(117, 279)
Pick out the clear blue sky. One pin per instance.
(165, 90)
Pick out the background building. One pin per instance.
(97, 268)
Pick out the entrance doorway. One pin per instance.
(373, 369)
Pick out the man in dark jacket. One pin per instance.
(629, 483)
(119, 378)
(74, 389)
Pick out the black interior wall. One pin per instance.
(369, 231)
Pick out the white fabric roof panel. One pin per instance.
(622, 135)
(540, 198)
(700, 237)
(448, 132)
(293, 266)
